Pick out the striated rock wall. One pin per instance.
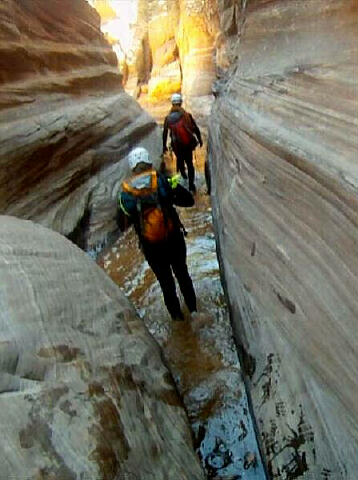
(36, 41)
(284, 190)
(83, 390)
(65, 121)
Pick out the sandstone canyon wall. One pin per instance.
(83, 390)
(282, 142)
(283, 149)
(173, 50)
(65, 121)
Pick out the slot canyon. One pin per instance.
(96, 381)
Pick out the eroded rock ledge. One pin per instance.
(83, 390)
(284, 179)
(65, 122)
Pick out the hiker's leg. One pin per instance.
(178, 261)
(181, 164)
(165, 278)
(191, 171)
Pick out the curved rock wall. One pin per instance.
(157, 66)
(196, 49)
(165, 75)
(196, 35)
(284, 192)
(40, 44)
(65, 121)
(175, 48)
(83, 390)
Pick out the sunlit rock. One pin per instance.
(65, 121)
(196, 51)
(83, 390)
(167, 81)
(284, 189)
(174, 44)
(117, 20)
(165, 76)
(106, 9)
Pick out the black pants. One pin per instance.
(166, 258)
(185, 157)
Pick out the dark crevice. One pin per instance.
(79, 234)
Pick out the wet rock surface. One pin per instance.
(199, 351)
(84, 393)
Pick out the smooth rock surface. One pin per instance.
(83, 390)
(284, 191)
(65, 122)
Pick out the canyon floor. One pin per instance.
(200, 352)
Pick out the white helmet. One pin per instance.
(177, 99)
(137, 156)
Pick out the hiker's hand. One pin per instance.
(165, 149)
(174, 181)
(200, 143)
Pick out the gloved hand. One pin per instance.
(174, 180)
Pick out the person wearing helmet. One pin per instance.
(147, 201)
(185, 135)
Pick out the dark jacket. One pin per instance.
(178, 112)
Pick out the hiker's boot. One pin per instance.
(178, 317)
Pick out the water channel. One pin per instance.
(200, 353)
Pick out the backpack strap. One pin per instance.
(140, 213)
(173, 182)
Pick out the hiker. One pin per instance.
(185, 135)
(147, 201)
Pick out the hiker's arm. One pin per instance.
(182, 197)
(124, 219)
(196, 130)
(165, 135)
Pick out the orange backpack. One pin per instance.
(154, 223)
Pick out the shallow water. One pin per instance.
(200, 353)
